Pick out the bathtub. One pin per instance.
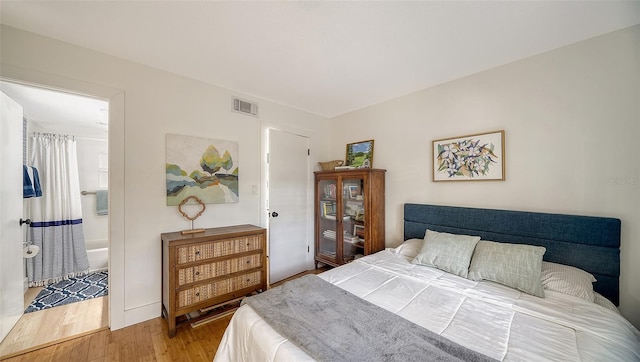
(98, 259)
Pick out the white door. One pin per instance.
(288, 187)
(11, 264)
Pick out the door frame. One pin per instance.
(115, 97)
(12, 235)
(264, 189)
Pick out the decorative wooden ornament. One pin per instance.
(191, 218)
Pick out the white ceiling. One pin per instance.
(324, 57)
(59, 112)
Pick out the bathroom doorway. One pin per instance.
(85, 119)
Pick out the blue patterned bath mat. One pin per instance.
(69, 291)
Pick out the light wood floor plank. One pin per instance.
(53, 325)
(113, 352)
(80, 349)
(30, 295)
(97, 341)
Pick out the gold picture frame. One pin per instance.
(360, 154)
(475, 157)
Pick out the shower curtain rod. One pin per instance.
(90, 139)
(75, 137)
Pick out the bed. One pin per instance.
(477, 310)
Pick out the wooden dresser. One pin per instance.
(211, 267)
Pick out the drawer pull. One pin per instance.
(197, 252)
(197, 273)
(197, 294)
(248, 261)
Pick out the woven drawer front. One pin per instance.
(191, 253)
(219, 268)
(211, 290)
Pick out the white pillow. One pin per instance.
(567, 280)
(410, 248)
(600, 300)
(449, 252)
(515, 265)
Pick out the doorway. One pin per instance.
(86, 119)
(288, 175)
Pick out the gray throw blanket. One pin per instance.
(331, 324)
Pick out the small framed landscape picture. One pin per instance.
(354, 191)
(477, 157)
(360, 154)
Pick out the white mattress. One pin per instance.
(492, 319)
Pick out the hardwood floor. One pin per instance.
(38, 329)
(147, 341)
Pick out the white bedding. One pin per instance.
(492, 319)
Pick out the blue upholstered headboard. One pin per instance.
(588, 243)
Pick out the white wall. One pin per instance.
(146, 104)
(572, 123)
(96, 227)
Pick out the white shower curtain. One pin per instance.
(56, 217)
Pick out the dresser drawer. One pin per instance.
(218, 268)
(203, 292)
(214, 249)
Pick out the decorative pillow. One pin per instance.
(515, 265)
(410, 248)
(449, 252)
(568, 280)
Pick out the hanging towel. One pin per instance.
(102, 202)
(30, 182)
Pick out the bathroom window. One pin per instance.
(103, 170)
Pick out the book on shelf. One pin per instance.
(358, 230)
(328, 208)
(329, 234)
(332, 216)
(352, 239)
(346, 237)
(330, 191)
(337, 168)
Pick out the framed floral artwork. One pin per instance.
(476, 157)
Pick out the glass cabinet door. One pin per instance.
(353, 218)
(328, 222)
(349, 215)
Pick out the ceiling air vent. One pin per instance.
(246, 107)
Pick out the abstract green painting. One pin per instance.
(201, 167)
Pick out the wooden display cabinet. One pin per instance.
(349, 214)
